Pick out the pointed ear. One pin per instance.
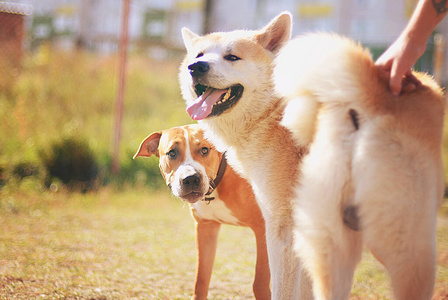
(188, 36)
(274, 35)
(149, 145)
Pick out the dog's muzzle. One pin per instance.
(190, 185)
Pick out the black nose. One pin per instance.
(192, 180)
(199, 68)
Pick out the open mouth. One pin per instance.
(213, 102)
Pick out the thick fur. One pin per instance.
(369, 151)
(257, 146)
(234, 202)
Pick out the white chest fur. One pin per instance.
(215, 210)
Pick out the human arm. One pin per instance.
(398, 59)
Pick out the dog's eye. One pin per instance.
(172, 153)
(200, 55)
(204, 151)
(231, 57)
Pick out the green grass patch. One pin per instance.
(111, 245)
(136, 244)
(128, 240)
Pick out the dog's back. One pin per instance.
(346, 75)
(371, 154)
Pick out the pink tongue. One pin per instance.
(203, 105)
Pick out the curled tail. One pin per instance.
(320, 68)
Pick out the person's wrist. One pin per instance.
(415, 43)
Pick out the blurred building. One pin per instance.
(12, 30)
(90, 21)
(155, 25)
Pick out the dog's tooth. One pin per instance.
(225, 97)
(228, 94)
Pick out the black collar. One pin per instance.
(214, 182)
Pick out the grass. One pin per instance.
(124, 240)
(136, 244)
(112, 245)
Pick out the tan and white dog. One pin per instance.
(361, 166)
(373, 158)
(195, 171)
(226, 80)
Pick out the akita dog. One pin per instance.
(361, 166)
(374, 161)
(226, 80)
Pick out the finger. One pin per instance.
(396, 80)
(383, 69)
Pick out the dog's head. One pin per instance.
(225, 69)
(187, 161)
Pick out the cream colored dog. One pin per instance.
(374, 162)
(226, 80)
(371, 172)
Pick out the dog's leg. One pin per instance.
(207, 241)
(398, 187)
(330, 256)
(401, 234)
(412, 270)
(261, 286)
(288, 282)
(329, 249)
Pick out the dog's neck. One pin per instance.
(238, 135)
(226, 133)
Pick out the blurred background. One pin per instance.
(154, 25)
(63, 79)
(82, 83)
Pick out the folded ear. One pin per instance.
(188, 36)
(274, 35)
(149, 145)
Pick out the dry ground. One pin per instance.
(135, 244)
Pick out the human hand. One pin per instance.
(395, 65)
